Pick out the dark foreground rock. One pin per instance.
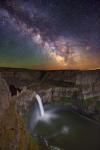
(13, 130)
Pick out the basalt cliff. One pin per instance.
(79, 89)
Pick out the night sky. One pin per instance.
(50, 34)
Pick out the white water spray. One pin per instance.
(45, 116)
(40, 105)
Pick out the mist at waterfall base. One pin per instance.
(63, 129)
(42, 115)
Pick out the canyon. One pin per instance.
(74, 90)
(80, 89)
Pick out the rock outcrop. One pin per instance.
(24, 100)
(55, 93)
(83, 87)
(13, 130)
(5, 97)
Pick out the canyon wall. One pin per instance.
(81, 88)
(5, 97)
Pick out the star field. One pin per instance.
(50, 34)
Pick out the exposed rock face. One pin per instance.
(24, 100)
(89, 83)
(4, 96)
(89, 90)
(48, 95)
(13, 130)
(82, 86)
(19, 77)
(55, 93)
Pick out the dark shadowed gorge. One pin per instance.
(77, 91)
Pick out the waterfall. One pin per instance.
(40, 105)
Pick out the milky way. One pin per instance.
(49, 35)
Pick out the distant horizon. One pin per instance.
(48, 69)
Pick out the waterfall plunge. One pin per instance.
(44, 116)
(40, 105)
